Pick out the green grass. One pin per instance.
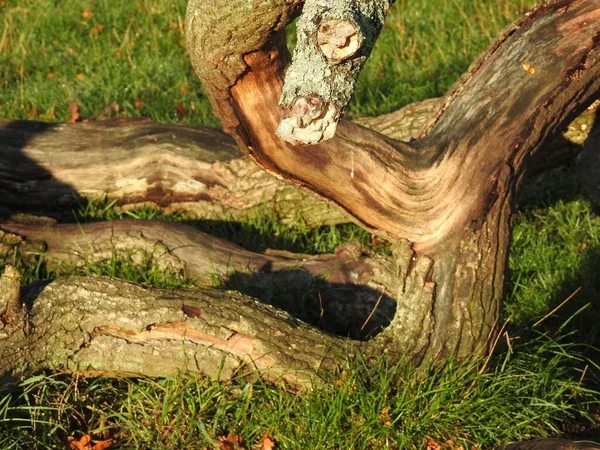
(524, 394)
(131, 54)
(128, 58)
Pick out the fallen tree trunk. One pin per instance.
(345, 288)
(79, 324)
(52, 169)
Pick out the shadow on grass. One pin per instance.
(580, 315)
(343, 309)
(25, 186)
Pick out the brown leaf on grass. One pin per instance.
(384, 417)
(97, 29)
(80, 444)
(181, 111)
(51, 76)
(267, 444)
(85, 443)
(433, 445)
(80, 77)
(453, 445)
(103, 445)
(231, 442)
(87, 14)
(74, 111)
(183, 90)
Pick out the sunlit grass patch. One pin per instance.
(526, 393)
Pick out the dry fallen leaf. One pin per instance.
(453, 445)
(433, 445)
(85, 443)
(80, 76)
(267, 444)
(51, 76)
(384, 417)
(231, 442)
(181, 111)
(102, 445)
(74, 111)
(97, 29)
(87, 14)
(80, 444)
(139, 104)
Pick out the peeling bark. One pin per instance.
(79, 324)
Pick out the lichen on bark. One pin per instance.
(334, 40)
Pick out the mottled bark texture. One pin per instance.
(334, 40)
(340, 290)
(445, 199)
(81, 323)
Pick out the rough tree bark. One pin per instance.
(443, 200)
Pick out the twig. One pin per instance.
(491, 352)
(372, 312)
(583, 373)
(558, 307)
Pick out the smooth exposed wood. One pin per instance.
(52, 169)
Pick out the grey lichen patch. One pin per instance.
(325, 65)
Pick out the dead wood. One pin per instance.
(345, 288)
(79, 324)
(444, 200)
(52, 169)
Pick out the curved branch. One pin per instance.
(430, 190)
